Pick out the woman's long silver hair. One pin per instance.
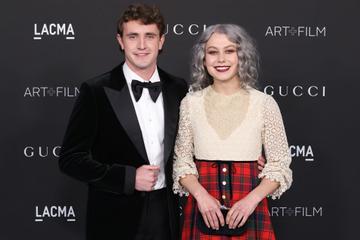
(246, 51)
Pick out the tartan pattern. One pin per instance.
(244, 179)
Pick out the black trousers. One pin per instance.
(154, 223)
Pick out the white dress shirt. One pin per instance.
(150, 116)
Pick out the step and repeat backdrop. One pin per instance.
(309, 63)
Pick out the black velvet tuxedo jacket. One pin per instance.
(103, 146)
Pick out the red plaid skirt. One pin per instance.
(234, 180)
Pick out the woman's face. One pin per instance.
(221, 59)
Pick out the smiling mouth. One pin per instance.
(141, 54)
(222, 68)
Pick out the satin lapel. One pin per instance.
(123, 107)
(171, 113)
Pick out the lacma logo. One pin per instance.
(44, 30)
(295, 31)
(303, 151)
(54, 212)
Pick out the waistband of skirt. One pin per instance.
(225, 161)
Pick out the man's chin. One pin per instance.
(144, 66)
(141, 65)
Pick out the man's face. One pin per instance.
(141, 44)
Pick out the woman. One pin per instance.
(224, 124)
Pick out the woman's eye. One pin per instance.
(212, 52)
(229, 51)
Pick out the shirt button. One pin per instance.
(224, 169)
(223, 197)
(224, 183)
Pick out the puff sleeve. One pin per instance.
(276, 148)
(184, 149)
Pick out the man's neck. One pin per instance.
(145, 73)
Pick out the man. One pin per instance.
(121, 134)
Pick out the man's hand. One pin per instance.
(146, 177)
(261, 163)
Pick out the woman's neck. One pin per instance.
(226, 87)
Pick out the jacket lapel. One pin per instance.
(170, 113)
(120, 100)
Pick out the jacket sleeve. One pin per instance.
(76, 158)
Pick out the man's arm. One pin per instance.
(76, 159)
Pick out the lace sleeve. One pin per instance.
(276, 148)
(184, 150)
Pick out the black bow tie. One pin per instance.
(154, 89)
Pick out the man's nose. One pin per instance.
(141, 43)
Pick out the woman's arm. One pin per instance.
(209, 207)
(242, 209)
(185, 174)
(276, 175)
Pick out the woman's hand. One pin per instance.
(209, 208)
(241, 210)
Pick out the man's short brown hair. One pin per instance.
(145, 14)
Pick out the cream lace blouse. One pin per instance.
(213, 126)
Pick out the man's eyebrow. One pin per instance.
(132, 34)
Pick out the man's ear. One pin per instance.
(120, 41)
(162, 40)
